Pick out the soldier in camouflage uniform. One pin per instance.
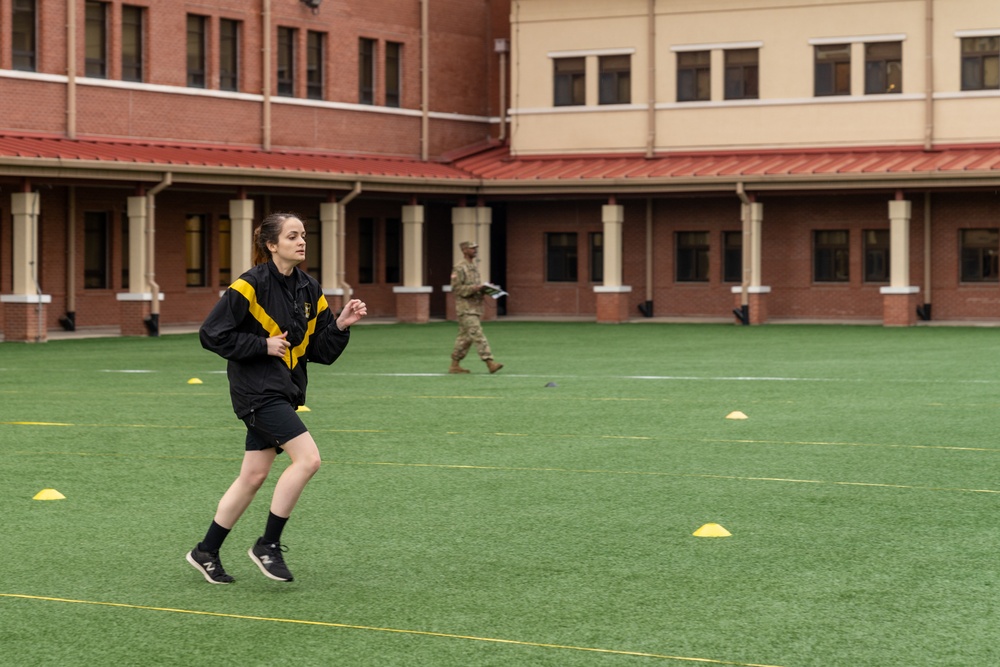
(467, 288)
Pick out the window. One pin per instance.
(883, 68)
(831, 257)
(732, 257)
(597, 257)
(23, 39)
(832, 70)
(315, 56)
(314, 254)
(876, 255)
(366, 71)
(560, 257)
(692, 257)
(194, 250)
(95, 249)
(96, 35)
(741, 74)
(980, 249)
(286, 61)
(366, 250)
(229, 55)
(225, 251)
(694, 76)
(980, 63)
(615, 79)
(393, 250)
(131, 43)
(570, 76)
(195, 51)
(393, 73)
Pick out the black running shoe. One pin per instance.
(268, 557)
(209, 565)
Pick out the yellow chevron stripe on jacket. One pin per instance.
(292, 355)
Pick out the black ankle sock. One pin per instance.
(275, 524)
(214, 538)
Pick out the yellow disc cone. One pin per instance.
(194, 381)
(711, 530)
(736, 414)
(48, 494)
(302, 408)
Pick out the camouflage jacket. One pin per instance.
(464, 277)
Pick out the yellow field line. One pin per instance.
(655, 473)
(422, 633)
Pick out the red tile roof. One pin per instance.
(495, 169)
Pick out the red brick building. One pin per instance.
(131, 173)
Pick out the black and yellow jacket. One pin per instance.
(264, 303)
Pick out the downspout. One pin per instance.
(651, 83)
(39, 312)
(342, 241)
(647, 308)
(424, 79)
(743, 312)
(503, 97)
(153, 321)
(925, 310)
(71, 70)
(266, 78)
(929, 75)
(69, 321)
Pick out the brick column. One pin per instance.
(413, 298)
(612, 298)
(135, 306)
(26, 308)
(899, 299)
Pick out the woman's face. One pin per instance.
(290, 249)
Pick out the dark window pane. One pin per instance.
(229, 59)
(393, 73)
(980, 251)
(569, 79)
(876, 255)
(740, 80)
(195, 51)
(597, 257)
(393, 250)
(96, 37)
(366, 71)
(615, 80)
(316, 54)
(732, 257)
(195, 243)
(95, 249)
(131, 43)
(693, 76)
(692, 256)
(23, 39)
(366, 250)
(560, 257)
(286, 61)
(831, 256)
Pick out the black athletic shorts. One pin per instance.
(272, 425)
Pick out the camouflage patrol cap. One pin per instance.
(468, 244)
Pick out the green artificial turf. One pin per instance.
(539, 516)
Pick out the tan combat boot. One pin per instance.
(493, 366)
(455, 368)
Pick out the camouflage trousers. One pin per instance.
(470, 332)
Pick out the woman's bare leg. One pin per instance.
(305, 462)
(253, 472)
